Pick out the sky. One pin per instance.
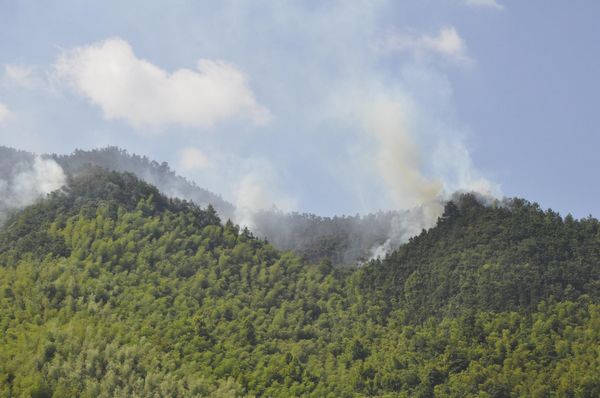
(330, 107)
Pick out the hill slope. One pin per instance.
(133, 294)
(503, 258)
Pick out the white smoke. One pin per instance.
(193, 159)
(257, 192)
(398, 158)
(404, 226)
(421, 158)
(28, 183)
(419, 179)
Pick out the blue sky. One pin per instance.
(329, 107)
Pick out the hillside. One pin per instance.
(108, 288)
(502, 258)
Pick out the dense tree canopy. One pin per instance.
(108, 288)
(499, 258)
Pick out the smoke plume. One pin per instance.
(398, 158)
(27, 181)
(256, 192)
(418, 154)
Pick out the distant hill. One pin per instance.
(110, 288)
(157, 174)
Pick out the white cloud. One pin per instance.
(20, 75)
(4, 113)
(485, 3)
(126, 87)
(193, 159)
(447, 44)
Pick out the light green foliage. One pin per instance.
(125, 293)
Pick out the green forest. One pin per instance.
(108, 288)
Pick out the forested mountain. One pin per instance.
(343, 240)
(157, 174)
(109, 288)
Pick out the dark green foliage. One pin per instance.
(506, 258)
(110, 289)
(26, 232)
